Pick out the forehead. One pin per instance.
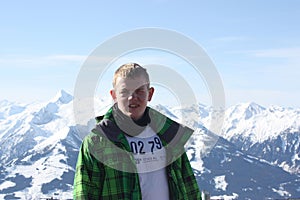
(131, 83)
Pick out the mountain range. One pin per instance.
(254, 155)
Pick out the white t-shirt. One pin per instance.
(150, 157)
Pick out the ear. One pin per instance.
(151, 91)
(113, 94)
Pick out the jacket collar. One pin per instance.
(114, 125)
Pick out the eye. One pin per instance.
(124, 92)
(140, 91)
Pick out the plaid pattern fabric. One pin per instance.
(95, 180)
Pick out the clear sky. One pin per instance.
(254, 44)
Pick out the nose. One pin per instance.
(133, 95)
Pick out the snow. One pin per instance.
(225, 197)
(62, 97)
(248, 160)
(281, 192)
(42, 171)
(278, 119)
(31, 141)
(197, 162)
(220, 183)
(6, 184)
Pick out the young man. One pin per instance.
(134, 152)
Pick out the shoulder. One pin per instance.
(167, 128)
(92, 141)
(92, 138)
(103, 133)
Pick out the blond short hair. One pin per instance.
(130, 70)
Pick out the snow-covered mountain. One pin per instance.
(255, 156)
(272, 134)
(38, 149)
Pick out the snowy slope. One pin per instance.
(38, 148)
(259, 123)
(271, 133)
(257, 151)
(225, 169)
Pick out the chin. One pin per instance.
(134, 117)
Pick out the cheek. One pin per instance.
(122, 101)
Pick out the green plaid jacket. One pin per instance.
(106, 172)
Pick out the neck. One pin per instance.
(128, 125)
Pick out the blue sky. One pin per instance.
(255, 45)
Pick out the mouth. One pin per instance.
(133, 106)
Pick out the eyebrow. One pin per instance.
(141, 87)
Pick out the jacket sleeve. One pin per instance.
(88, 174)
(189, 179)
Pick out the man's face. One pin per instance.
(132, 96)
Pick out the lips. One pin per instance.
(133, 106)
